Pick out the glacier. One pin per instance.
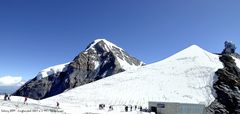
(185, 77)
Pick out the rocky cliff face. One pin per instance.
(100, 59)
(227, 87)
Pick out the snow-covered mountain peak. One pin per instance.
(100, 47)
(193, 48)
(192, 51)
(103, 43)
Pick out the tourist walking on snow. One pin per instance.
(126, 108)
(25, 100)
(5, 97)
(8, 97)
(57, 104)
(130, 107)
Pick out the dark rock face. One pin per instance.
(227, 88)
(229, 47)
(101, 59)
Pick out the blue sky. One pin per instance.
(35, 34)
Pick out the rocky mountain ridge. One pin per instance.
(100, 59)
(227, 84)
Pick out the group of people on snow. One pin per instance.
(7, 97)
(128, 108)
(25, 102)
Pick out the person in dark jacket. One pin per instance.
(25, 100)
(58, 105)
(5, 97)
(135, 107)
(126, 108)
(8, 97)
(140, 108)
(110, 108)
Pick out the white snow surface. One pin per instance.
(109, 44)
(52, 70)
(237, 61)
(17, 106)
(125, 65)
(186, 77)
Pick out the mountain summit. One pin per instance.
(100, 59)
(102, 47)
(106, 43)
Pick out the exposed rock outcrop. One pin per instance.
(229, 47)
(227, 88)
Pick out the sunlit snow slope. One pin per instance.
(52, 70)
(185, 77)
(17, 106)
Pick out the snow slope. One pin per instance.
(52, 70)
(237, 61)
(186, 77)
(17, 106)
